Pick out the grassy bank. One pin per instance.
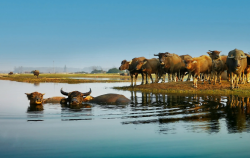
(65, 78)
(186, 88)
(172, 87)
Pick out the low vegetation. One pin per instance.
(186, 87)
(172, 87)
(65, 78)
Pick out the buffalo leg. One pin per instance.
(156, 78)
(232, 80)
(195, 82)
(236, 81)
(152, 81)
(131, 75)
(215, 77)
(219, 76)
(163, 78)
(142, 79)
(136, 75)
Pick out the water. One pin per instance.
(153, 125)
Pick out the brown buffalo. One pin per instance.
(36, 73)
(184, 70)
(150, 66)
(202, 64)
(76, 98)
(218, 64)
(35, 97)
(10, 73)
(171, 63)
(131, 67)
(236, 63)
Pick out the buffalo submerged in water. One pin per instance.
(76, 98)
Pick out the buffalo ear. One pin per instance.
(208, 53)
(28, 95)
(43, 93)
(194, 62)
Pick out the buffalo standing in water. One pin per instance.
(76, 98)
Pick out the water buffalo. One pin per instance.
(247, 70)
(184, 70)
(171, 63)
(236, 63)
(150, 66)
(131, 67)
(36, 73)
(164, 70)
(218, 64)
(35, 98)
(76, 98)
(202, 64)
(10, 73)
(108, 99)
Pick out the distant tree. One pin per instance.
(114, 70)
(97, 71)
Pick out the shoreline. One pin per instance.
(171, 87)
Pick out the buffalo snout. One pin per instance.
(74, 101)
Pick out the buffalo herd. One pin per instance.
(206, 67)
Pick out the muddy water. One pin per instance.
(153, 125)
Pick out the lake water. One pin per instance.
(162, 125)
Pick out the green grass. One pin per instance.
(62, 78)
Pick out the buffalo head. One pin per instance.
(75, 97)
(35, 98)
(162, 57)
(215, 54)
(236, 56)
(189, 63)
(124, 65)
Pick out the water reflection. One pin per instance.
(76, 112)
(202, 111)
(35, 112)
(36, 84)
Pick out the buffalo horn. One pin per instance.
(64, 93)
(88, 93)
(156, 54)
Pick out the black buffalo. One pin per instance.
(150, 66)
(77, 98)
(236, 63)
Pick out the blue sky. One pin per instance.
(104, 32)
